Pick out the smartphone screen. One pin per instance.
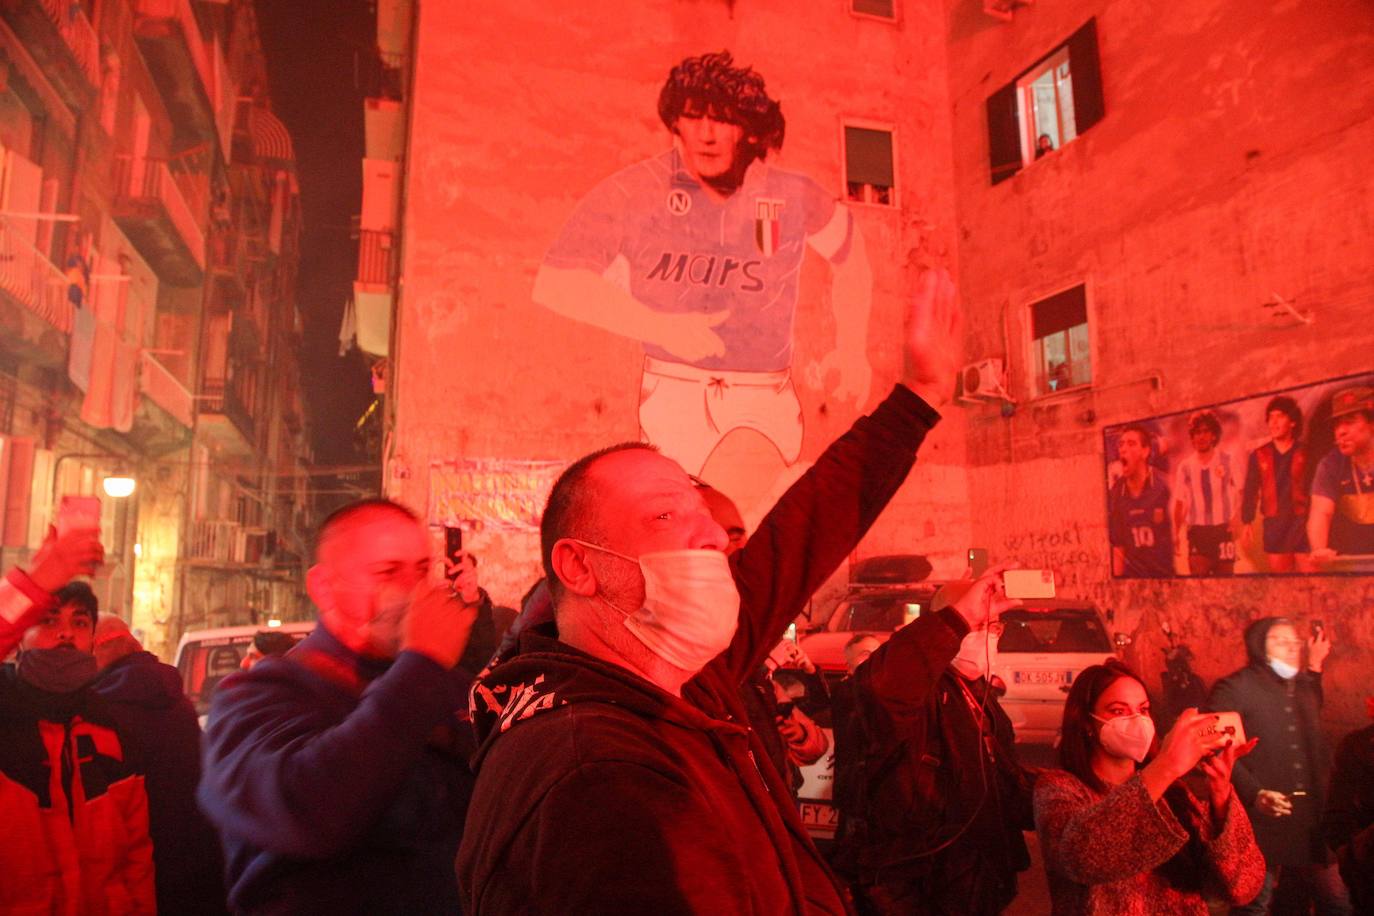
(978, 560)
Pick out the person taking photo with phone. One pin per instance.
(1120, 831)
(1282, 784)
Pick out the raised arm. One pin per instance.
(823, 516)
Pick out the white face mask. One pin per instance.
(387, 626)
(1283, 669)
(977, 655)
(1127, 736)
(691, 605)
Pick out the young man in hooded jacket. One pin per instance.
(73, 802)
(617, 772)
(161, 735)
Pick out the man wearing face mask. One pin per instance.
(337, 775)
(617, 772)
(73, 802)
(1282, 783)
(935, 798)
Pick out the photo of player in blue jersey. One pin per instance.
(696, 253)
(1139, 524)
(1207, 499)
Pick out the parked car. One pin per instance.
(1043, 647)
(206, 657)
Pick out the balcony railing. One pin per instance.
(78, 33)
(180, 13)
(376, 255)
(227, 399)
(224, 542)
(165, 390)
(149, 179)
(31, 279)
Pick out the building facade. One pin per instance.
(1142, 221)
(149, 235)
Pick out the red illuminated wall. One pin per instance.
(1230, 166)
(520, 113)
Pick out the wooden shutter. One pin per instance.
(1004, 133)
(1086, 68)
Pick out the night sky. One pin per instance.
(312, 48)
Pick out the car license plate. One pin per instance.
(1056, 678)
(820, 818)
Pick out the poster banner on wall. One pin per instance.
(506, 494)
(1275, 483)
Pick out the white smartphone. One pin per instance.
(1028, 583)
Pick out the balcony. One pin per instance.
(171, 42)
(62, 42)
(35, 313)
(376, 257)
(225, 419)
(154, 213)
(163, 416)
(229, 266)
(226, 545)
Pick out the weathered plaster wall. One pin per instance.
(519, 111)
(1230, 166)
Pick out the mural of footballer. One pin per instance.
(1139, 528)
(696, 253)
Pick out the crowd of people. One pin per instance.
(624, 749)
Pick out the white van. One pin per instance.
(206, 657)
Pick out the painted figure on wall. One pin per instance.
(697, 253)
(1138, 504)
(1342, 512)
(1205, 503)
(1276, 480)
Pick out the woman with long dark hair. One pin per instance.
(1120, 832)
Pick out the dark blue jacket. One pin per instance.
(158, 727)
(339, 784)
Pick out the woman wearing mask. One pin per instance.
(1120, 832)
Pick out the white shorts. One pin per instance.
(687, 411)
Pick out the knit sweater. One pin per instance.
(1120, 854)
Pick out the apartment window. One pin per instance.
(1048, 105)
(878, 9)
(869, 165)
(1059, 331)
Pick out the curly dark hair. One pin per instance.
(712, 85)
(1206, 419)
(1289, 408)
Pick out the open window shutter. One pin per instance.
(1004, 134)
(1059, 312)
(1086, 67)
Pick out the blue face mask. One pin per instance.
(1283, 669)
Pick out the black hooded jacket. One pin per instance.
(160, 731)
(598, 792)
(1291, 756)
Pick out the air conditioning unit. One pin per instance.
(982, 381)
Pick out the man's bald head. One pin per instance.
(348, 520)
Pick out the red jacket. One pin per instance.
(73, 807)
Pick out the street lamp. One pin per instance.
(119, 485)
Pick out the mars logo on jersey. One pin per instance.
(708, 270)
(679, 202)
(767, 225)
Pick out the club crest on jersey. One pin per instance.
(679, 202)
(767, 225)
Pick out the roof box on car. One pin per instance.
(891, 569)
